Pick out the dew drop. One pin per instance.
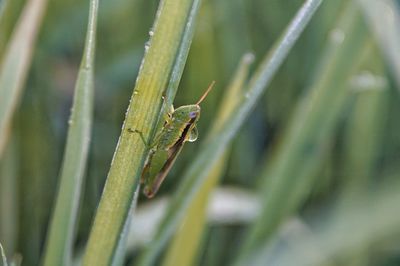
(337, 36)
(249, 58)
(368, 81)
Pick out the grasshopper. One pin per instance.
(179, 127)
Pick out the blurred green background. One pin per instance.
(351, 156)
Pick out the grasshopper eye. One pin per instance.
(192, 114)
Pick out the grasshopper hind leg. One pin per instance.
(146, 168)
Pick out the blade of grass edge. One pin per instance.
(211, 150)
(16, 61)
(169, 44)
(61, 231)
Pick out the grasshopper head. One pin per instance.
(191, 113)
(188, 113)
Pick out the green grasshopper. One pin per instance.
(179, 127)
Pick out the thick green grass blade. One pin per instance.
(161, 68)
(181, 57)
(16, 62)
(289, 178)
(194, 177)
(61, 233)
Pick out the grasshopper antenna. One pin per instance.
(207, 91)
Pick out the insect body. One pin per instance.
(179, 127)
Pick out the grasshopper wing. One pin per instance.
(173, 153)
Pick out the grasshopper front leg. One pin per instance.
(167, 119)
(130, 130)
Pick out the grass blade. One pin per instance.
(347, 229)
(385, 27)
(3, 256)
(9, 197)
(363, 135)
(3, 5)
(181, 56)
(61, 233)
(16, 62)
(9, 12)
(169, 42)
(194, 177)
(289, 177)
